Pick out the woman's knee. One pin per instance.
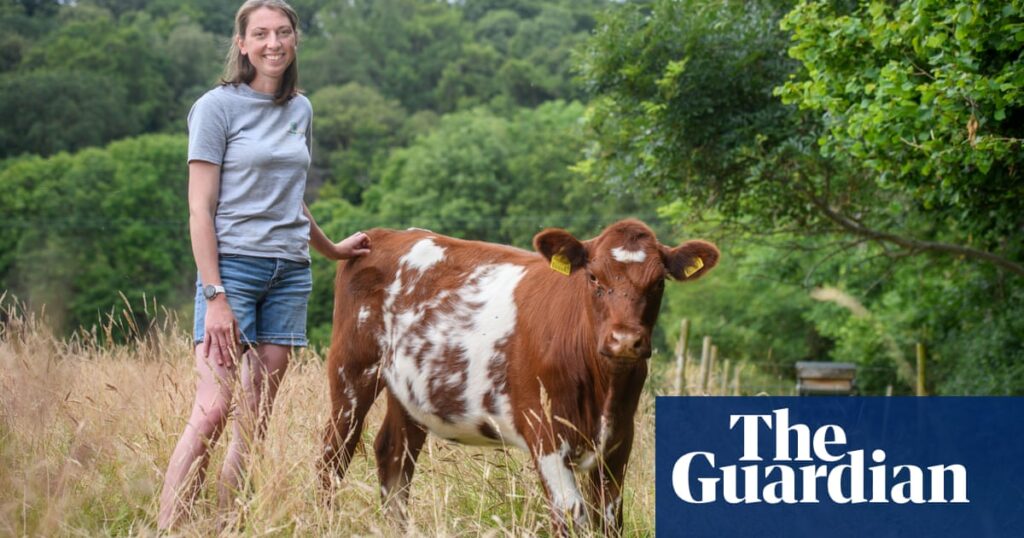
(210, 414)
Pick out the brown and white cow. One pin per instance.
(492, 345)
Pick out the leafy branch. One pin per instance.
(856, 227)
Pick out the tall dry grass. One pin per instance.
(87, 426)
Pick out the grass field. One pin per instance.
(87, 427)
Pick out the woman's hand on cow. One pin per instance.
(353, 246)
(222, 333)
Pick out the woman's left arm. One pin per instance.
(353, 246)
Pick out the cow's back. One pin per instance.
(434, 318)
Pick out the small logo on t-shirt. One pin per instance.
(294, 129)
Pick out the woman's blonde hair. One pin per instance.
(238, 69)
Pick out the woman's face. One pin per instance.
(269, 42)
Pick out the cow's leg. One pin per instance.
(605, 494)
(568, 509)
(354, 387)
(397, 446)
(605, 488)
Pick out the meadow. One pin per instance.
(87, 425)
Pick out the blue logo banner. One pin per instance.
(839, 467)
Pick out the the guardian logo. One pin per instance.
(808, 466)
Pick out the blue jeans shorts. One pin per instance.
(268, 296)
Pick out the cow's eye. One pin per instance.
(593, 279)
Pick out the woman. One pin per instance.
(248, 152)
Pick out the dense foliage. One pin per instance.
(896, 134)
(858, 163)
(81, 228)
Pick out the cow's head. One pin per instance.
(624, 270)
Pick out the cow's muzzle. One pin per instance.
(627, 344)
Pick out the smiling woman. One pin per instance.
(249, 149)
(263, 51)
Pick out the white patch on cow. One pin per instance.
(418, 341)
(628, 256)
(350, 393)
(423, 255)
(561, 483)
(348, 389)
(364, 314)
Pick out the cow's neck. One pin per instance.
(624, 386)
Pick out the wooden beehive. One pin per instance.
(825, 378)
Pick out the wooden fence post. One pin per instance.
(681, 350)
(736, 379)
(920, 370)
(723, 385)
(709, 376)
(705, 358)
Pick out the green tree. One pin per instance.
(919, 108)
(496, 29)
(99, 69)
(90, 225)
(470, 80)
(400, 47)
(35, 8)
(81, 110)
(454, 180)
(682, 99)
(195, 65)
(482, 176)
(895, 136)
(353, 128)
(547, 141)
(923, 102)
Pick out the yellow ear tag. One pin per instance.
(561, 264)
(690, 270)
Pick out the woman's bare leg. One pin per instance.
(187, 467)
(261, 375)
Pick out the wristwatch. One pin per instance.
(211, 291)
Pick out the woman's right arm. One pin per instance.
(221, 328)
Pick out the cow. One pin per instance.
(488, 344)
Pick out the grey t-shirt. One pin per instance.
(264, 151)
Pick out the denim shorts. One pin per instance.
(268, 296)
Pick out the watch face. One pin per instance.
(209, 292)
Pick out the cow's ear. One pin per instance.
(691, 260)
(554, 241)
